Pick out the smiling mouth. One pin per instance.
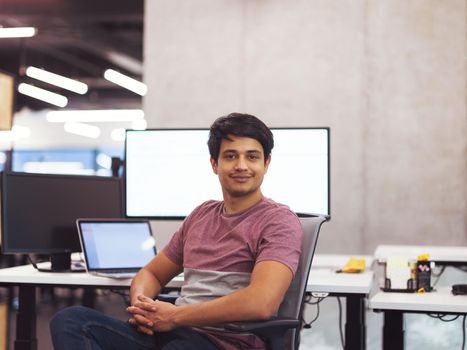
(241, 178)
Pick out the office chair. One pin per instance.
(282, 331)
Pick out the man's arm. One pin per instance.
(152, 277)
(259, 300)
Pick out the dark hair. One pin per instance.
(243, 125)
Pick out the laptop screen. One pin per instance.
(118, 244)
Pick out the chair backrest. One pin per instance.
(292, 305)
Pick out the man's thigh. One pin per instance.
(184, 338)
(83, 328)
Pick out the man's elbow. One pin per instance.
(265, 310)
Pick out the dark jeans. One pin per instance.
(80, 328)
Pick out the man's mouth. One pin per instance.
(241, 178)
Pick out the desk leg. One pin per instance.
(355, 328)
(393, 330)
(26, 319)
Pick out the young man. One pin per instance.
(238, 256)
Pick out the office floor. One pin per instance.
(422, 332)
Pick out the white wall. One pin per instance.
(387, 77)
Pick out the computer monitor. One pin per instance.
(39, 211)
(168, 173)
(7, 94)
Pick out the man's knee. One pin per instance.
(70, 317)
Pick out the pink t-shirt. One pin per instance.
(218, 252)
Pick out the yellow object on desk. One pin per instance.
(353, 265)
(423, 257)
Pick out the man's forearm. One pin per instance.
(144, 283)
(245, 304)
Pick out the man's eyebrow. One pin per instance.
(247, 151)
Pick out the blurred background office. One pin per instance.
(387, 77)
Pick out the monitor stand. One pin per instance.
(60, 262)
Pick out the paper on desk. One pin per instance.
(354, 265)
(398, 271)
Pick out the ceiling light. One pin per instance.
(118, 134)
(58, 80)
(90, 116)
(43, 95)
(81, 129)
(126, 82)
(17, 32)
(104, 161)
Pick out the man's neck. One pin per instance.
(234, 205)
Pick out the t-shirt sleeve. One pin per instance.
(174, 249)
(281, 240)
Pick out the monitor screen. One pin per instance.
(39, 211)
(168, 172)
(7, 89)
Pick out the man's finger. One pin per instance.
(143, 321)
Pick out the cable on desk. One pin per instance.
(341, 332)
(463, 332)
(308, 300)
(32, 262)
(441, 317)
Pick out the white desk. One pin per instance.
(394, 305)
(355, 287)
(447, 255)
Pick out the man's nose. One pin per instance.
(241, 163)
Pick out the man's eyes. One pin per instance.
(230, 156)
(252, 156)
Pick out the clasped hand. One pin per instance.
(149, 315)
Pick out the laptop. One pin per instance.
(115, 248)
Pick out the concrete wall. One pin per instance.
(388, 77)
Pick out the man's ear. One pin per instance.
(266, 164)
(213, 165)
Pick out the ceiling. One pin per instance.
(79, 39)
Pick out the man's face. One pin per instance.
(240, 166)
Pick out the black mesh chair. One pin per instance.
(282, 331)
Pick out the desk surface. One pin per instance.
(323, 278)
(437, 253)
(439, 301)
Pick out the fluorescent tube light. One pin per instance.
(81, 129)
(126, 82)
(104, 161)
(58, 80)
(17, 32)
(95, 116)
(43, 95)
(118, 134)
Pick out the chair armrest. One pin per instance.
(272, 324)
(168, 298)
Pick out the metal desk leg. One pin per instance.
(26, 319)
(355, 327)
(393, 330)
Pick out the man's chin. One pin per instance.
(240, 193)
